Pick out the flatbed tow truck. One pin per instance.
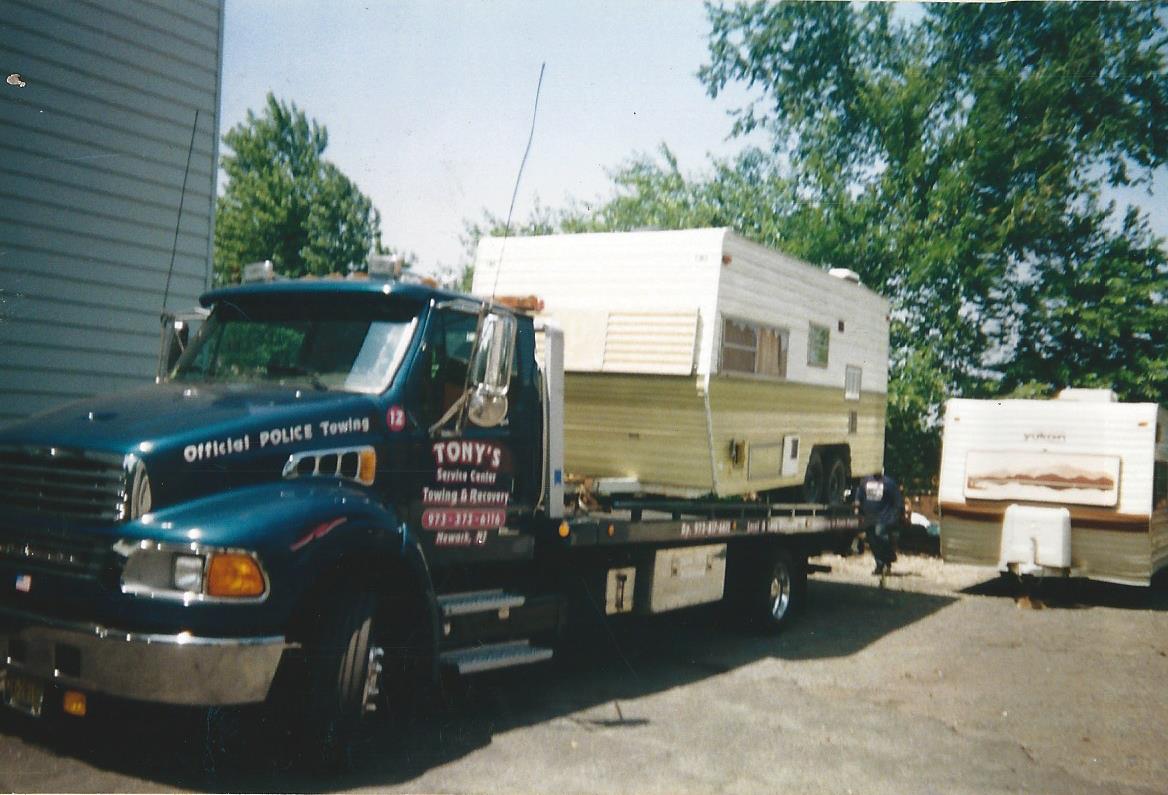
(338, 491)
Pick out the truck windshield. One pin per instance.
(345, 342)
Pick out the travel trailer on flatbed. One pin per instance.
(1075, 486)
(698, 362)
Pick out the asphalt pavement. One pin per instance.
(941, 681)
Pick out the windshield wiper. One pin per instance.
(295, 370)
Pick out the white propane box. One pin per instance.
(1034, 538)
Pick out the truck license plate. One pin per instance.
(22, 693)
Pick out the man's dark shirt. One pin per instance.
(879, 500)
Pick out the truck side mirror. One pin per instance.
(490, 371)
(175, 335)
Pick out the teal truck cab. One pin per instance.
(341, 487)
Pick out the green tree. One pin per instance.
(650, 191)
(284, 202)
(963, 157)
(959, 163)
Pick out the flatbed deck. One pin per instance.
(654, 522)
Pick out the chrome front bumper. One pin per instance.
(168, 669)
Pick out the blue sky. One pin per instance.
(428, 104)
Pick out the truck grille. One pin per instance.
(64, 484)
(72, 554)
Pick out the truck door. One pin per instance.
(465, 479)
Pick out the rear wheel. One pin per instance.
(837, 481)
(813, 478)
(781, 591)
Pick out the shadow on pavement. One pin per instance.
(1076, 593)
(167, 747)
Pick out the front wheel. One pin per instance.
(345, 661)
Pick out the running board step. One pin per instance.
(497, 655)
(467, 602)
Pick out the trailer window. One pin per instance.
(852, 378)
(754, 348)
(818, 342)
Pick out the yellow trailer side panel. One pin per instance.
(763, 412)
(971, 542)
(654, 429)
(647, 428)
(1159, 539)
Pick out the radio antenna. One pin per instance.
(518, 178)
(181, 200)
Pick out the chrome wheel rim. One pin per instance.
(780, 593)
(373, 672)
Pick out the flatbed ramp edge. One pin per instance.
(661, 522)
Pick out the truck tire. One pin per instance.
(837, 481)
(813, 478)
(344, 677)
(781, 591)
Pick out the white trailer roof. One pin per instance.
(653, 301)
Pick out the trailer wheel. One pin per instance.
(344, 660)
(782, 591)
(813, 481)
(837, 481)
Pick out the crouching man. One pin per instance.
(878, 500)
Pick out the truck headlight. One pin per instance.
(190, 572)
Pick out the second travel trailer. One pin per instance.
(698, 362)
(1073, 486)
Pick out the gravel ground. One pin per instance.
(939, 682)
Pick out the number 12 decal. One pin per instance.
(395, 418)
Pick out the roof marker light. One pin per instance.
(258, 272)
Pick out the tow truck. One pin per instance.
(340, 489)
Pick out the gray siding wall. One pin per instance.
(95, 150)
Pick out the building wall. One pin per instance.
(95, 154)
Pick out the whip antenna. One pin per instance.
(181, 199)
(518, 178)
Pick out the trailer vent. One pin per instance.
(76, 486)
(844, 274)
(1088, 395)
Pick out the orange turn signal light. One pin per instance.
(234, 574)
(73, 703)
(564, 529)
